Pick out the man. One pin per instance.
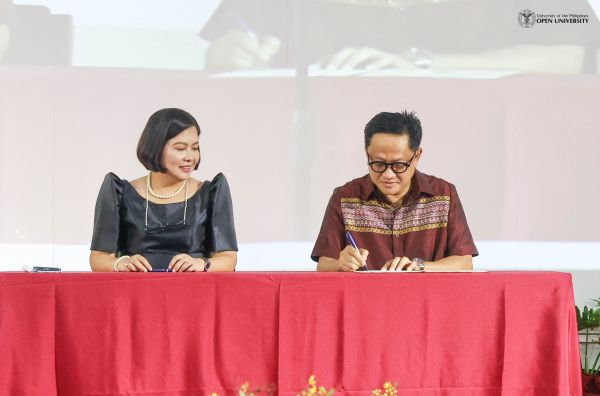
(357, 34)
(397, 217)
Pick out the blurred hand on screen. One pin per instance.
(351, 260)
(4, 39)
(366, 58)
(241, 50)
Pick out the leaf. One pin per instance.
(595, 367)
(595, 320)
(585, 318)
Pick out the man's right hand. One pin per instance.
(351, 260)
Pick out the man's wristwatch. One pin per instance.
(420, 263)
(206, 263)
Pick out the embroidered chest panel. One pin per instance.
(373, 216)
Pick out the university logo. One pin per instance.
(527, 18)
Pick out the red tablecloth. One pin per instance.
(509, 334)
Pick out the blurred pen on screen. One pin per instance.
(351, 242)
(242, 25)
(261, 48)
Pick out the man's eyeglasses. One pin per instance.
(397, 167)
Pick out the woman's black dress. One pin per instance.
(120, 225)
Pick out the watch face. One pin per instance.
(419, 263)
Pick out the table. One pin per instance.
(443, 334)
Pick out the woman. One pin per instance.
(167, 219)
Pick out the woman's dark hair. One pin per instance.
(162, 126)
(398, 124)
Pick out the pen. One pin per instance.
(161, 270)
(351, 242)
(242, 25)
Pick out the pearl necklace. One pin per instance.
(161, 196)
(149, 191)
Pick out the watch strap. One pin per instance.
(206, 263)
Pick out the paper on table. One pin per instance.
(316, 71)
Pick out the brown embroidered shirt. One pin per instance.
(429, 223)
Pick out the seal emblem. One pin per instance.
(526, 18)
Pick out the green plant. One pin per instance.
(587, 319)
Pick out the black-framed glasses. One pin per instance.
(397, 167)
(164, 227)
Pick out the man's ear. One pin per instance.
(418, 154)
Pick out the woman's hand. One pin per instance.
(135, 263)
(186, 263)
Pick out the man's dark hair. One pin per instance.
(162, 126)
(397, 124)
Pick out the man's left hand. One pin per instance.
(400, 264)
